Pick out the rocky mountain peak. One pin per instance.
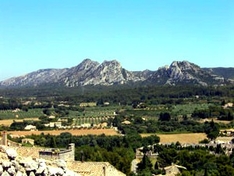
(86, 64)
(183, 65)
(90, 72)
(107, 73)
(112, 63)
(175, 71)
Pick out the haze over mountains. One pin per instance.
(90, 72)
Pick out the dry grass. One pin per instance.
(10, 121)
(182, 138)
(6, 122)
(109, 132)
(224, 139)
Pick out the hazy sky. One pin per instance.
(140, 34)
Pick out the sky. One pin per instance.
(140, 34)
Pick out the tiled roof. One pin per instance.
(94, 168)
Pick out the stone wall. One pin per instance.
(53, 154)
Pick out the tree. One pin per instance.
(165, 116)
(156, 166)
(145, 164)
(212, 130)
(47, 112)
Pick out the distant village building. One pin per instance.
(126, 122)
(173, 169)
(54, 124)
(227, 132)
(228, 105)
(150, 154)
(86, 125)
(16, 110)
(104, 125)
(88, 104)
(30, 128)
(27, 141)
(51, 117)
(106, 104)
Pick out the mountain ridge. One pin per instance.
(90, 72)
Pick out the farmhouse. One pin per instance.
(173, 170)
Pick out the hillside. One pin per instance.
(227, 73)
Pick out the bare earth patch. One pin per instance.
(182, 138)
(109, 132)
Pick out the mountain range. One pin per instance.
(107, 73)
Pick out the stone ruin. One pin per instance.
(48, 164)
(20, 161)
(53, 154)
(4, 140)
(12, 164)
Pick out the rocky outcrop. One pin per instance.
(35, 78)
(111, 72)
(76, 76)
(12, 164)
(184, 73)
(87, 72)
(93, 73)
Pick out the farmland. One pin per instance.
(130, 118)
(192, 138)
(81, 132)
(10, 121)
(19, 114)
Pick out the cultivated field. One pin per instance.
(10, 121)
(19, 114)
(182, 138)
(109, 132)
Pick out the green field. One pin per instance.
(31, 113)
(186, 109)
(153, 112)
(94, 115)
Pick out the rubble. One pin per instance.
(12, 164)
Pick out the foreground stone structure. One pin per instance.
(12, 164)
(34, 161)
(53, 154)
(25, 161)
